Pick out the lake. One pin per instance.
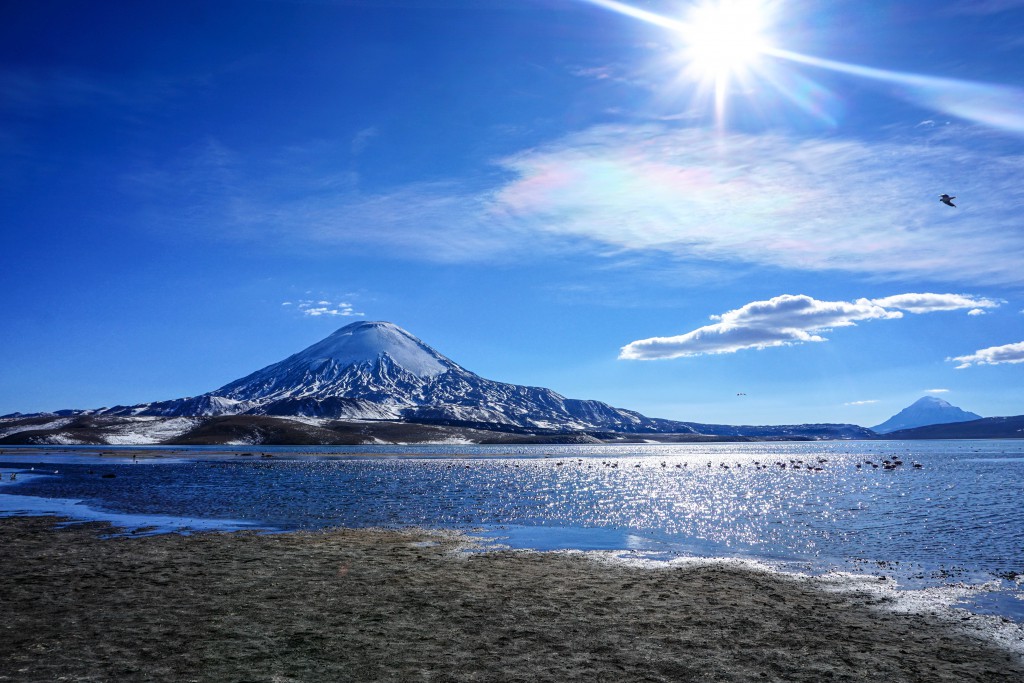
(949, 514)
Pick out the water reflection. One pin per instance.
(829, 503)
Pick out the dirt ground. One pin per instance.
(369, 605)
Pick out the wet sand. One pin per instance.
(368, 605)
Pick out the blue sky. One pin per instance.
(614, 201)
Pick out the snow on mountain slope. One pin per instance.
(373, 361)
(30, 425)
(369, 341)
(376, 370)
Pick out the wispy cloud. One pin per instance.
(928, 302)
(936, 391)
(323, 307)
(786, 320)
(681, 194)
(599, 73)
(362, 138)
(993, 355)
(861, 403)
(771, 200)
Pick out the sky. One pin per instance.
(721, 212)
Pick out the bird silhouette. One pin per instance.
(947, 200)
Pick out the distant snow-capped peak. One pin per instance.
(928, 410)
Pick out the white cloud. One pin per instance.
(775, 201)
(316, 309)
(780, 321)
(861, 403)
(679, 194)
(928, 302)
(786, 320)
(993, 355)
(976, 311)
(936, 391)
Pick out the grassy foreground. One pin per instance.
(368, 605)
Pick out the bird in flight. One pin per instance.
(947, 200)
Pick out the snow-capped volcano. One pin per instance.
(371, 360)
(373, 382)
(377, 370)
(929, 410)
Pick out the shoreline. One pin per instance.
(977, 592)
(365, 604)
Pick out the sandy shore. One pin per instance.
(358, 605)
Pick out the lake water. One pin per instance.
(807, 506)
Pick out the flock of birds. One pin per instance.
(793, 464)
(890, 464)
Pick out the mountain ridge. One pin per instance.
(362, 381)
(378, 371)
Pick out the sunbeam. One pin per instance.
(637, 13)
(994, 105)
(724, 38)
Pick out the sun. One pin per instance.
(723, 41)
(725, 37)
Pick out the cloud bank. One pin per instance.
(993, 355)
(789, 319)
(681, 194)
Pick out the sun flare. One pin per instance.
(722, 41)
(725, 37)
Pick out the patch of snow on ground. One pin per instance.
(56, 424)
(941, 601)
(61, 439)
(314, 421)
(151, 430)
